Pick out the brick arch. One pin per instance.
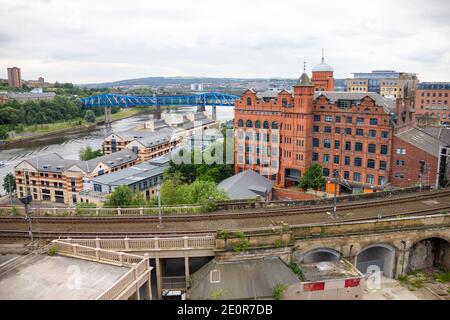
(438, 235)
(301, 254)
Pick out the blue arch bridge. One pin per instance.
(117, 100)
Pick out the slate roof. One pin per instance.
(55, 163)
(244, 279)
(333, 96)
(130, 175)
(246, 185)
(421, 140)
(442, 134)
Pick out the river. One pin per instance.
(69, 145)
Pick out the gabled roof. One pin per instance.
(130, 175)
(421, 140)
(246, 185)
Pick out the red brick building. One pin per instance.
(432, 99)
(353, 135)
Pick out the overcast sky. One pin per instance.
(95, 41)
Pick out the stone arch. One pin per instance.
(381, 255)
(317, 255)
(429, 252)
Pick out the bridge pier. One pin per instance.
(108, 118)
(157, 113)
(214, 113)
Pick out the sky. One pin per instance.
(89, 41)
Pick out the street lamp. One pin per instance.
(26, 202)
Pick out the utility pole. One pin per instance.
(335, 180)
(158, 189)
(26, 202)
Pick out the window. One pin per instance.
(400, 162)
(348, 145)
(257, 124)
(336, 159)
(337, 144)
(249, 123)
(372, 148)
(401, 151)
(371, 163)
(316, 117)
(326, 158)
(359, 121)
(274, 125)
(349, 119)
(266, 125)
(382, 165)
(356, 177)
(327, 129)
(97, 187)
(316, 142)
(326, 172)
(358, 162)
(315, 156)
(399, 175)
(348, 131)
(135, 149)
(326, 143)
(359, 132)
(381, 180)
(372, 133)
(384, 134)
(316, 128)
(373, 121)
(358, 146)
(284, 102)
(337, 130)
(240, 123)
(338, 119)
(370, 178)
(346, 175)
(384, 149)
(328, 118)
(249, 101)
(347, 161)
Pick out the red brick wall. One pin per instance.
(411, 168)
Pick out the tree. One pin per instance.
(313, 178)
(88, 153)
(198, 192)
(123, 196)
(9, 181)
(3, 133)
(89, 116)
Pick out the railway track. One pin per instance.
(263, 212)
(114, 234)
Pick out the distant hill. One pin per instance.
(165, 81)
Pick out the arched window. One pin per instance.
(257, 124)
(240, 123)
(274, 125)
(249, 123)
(284, 102)
(249, 101)
(266, 125)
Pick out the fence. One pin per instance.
(139, 266)
(148, 244)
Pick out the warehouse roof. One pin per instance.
(130, 175)
(421, 140)
(246, 185)
(334, 96)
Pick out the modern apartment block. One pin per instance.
(352, 135)
(432, 100)
(14, 77)
(387, 83)
(53, 178)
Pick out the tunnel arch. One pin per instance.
(317, 255)
(379, 254)
(430, 252)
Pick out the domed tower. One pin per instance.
(322, 76)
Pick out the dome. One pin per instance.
(322, 67)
